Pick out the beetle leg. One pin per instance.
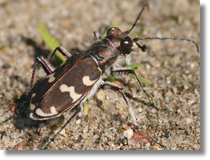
(45, 67)
(119, 89)
(97, 36)
(126, 71)
(55, 135)
(62, 50)
(32, 78)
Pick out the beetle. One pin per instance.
(79, 77)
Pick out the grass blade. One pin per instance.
(51, 42)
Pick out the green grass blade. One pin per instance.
(111, 78)
(134, 65)
(143, 80)
(51, 42)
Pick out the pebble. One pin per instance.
(189, 120)
(140, 109)
(128, 133)
(85, 129)
(78, 121)
(125, 126)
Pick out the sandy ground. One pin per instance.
(173, 67)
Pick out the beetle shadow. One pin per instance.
(40, 51)
(22, 120)
(22, 103)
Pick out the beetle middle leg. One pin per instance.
(62, 50)
(45, 67)
(119, 89)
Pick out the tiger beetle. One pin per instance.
(78, 78)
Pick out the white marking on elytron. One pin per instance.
(75, 96)
(86, 81)
(51, 78)
(32, 107)
(42, 114)
(99, 69)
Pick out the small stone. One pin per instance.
(100, 95)
(63, 142)
(39, 129)
(189, 120)
(120, 106)
(85, 129)
(59, 121)
(128, 133)
(63, 132)
(140, 109)
(153, 110)
(190, 102)
(118, 83)
(13, 109)
(84, 135)
(78, 121)
(156, 64)
(111, 109)
(186, 87)
(175, 90)
(125, 126)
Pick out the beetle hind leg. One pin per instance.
(77, 110)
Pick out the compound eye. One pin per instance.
(126, 43)
(114, 30)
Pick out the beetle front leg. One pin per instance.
(62, 50)
(126, 71)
